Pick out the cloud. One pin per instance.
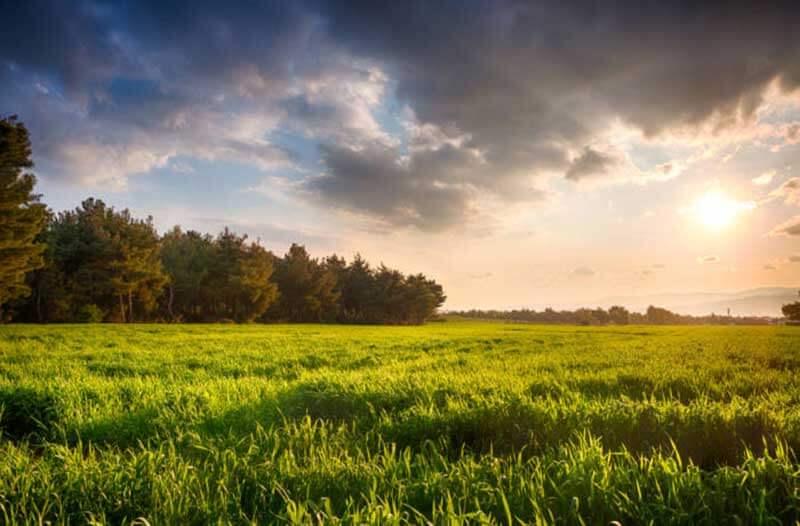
(780, 135)
(181, 167)
(559, 96)
(788, 228)
(764, 178)
(127, 91)
(270, 235)
(593, 163)
(583, 272)
(652, 269)
(789, 191)
(280, 189)
(708, 259)
(793, 259)
(769, 267)
(493, 98)
(612, 166)
(481, 275)
(431, 191)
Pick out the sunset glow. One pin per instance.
(716, 211)
(496, 148)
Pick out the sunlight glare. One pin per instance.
(715, 210)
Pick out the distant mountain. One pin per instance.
(765, 301)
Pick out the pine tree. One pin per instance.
(22, 217)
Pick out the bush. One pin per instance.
(91, 314)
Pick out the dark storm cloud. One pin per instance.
(511, 90)
(373, 181)
(591, 163)
(533, 84)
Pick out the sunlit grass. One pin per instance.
(449, 423)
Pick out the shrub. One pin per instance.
(91, 314)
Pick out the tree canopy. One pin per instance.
(22, 216)
(103, 264)
(792, 311)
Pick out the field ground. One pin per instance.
(448, 423)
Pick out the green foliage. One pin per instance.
(792, 311)
(659, 316)
(22, 217)
(445, 423)
(98, 255)
(619, 315)
(101, 256)
(91, 314)
(236, 280)
(307, 288)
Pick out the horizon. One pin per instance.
(639, 303)
(576, 154)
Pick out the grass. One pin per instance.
(448, 423)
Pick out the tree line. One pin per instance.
(616, 315)
(96, 263)
(792, 313)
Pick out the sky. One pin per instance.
(520, 153)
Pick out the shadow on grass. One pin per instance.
(29, 414)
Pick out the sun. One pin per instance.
(715, 210)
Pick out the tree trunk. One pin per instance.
(39, 304)
(130, 306)
(122, 308)
(169, 303)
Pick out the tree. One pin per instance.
(97, 255)
(659, 316)
(424, 296)
(212, 279)
(391, 296)
(237, 284)
(619, 315)
(101, 263)
(357, 292)
(308, 289)
(22, 216)
(792, 311)
(137, 270)
(186, 257)
(256, 291)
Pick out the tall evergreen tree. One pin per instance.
(136, 270)
(186, 257)
(212, 279)
(307, 288)
(102, 257)
(357, 289)
(22, 217)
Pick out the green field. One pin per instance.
(448, 423)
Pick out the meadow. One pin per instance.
(448, 423)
